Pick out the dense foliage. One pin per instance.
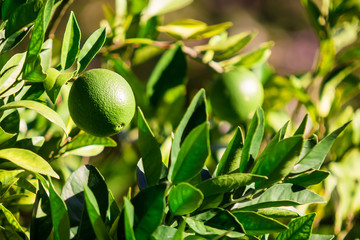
(199, 175)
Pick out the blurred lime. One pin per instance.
(236, 95)
(101, 102)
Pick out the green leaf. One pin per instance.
(164, 232)
(41, 221)
(28, 160)
(47, 112)
(224, 219)
(226, 183)
(169, 72)
(94, 215)
(12, 41)
(257, 224)
(149, 150)
(73, 195)
(300, 228)
(301, 129)
(315, 158)
(285, 212)
(230, 160)
(326, 57)
(195, 115)
(54, 82)
(281, 195)
(7, 177)
(60, 217)
(91, 47)
(248, 60)
(184, 199)
(9, 6)
(159, 7)
(315, 16)
(128, 220)
(71, 43)
(252, 140)
(199, 227)
(20, 18)
(192, 155)
(321, 237)
(11, 219)
(193, 29)
(84, 139)
(13, 89)
(308, 178)
(11, 70)
(33, 70)
(232, 45)
(149, 207)
(5, 137)
(278, 162)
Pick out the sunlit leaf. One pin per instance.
(184, 199)
(300, 228)
(28, 161)
(71, 43)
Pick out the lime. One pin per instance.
(101, 102)
(236, 95)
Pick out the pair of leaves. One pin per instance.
(71, 45)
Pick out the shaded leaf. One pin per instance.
(195, 115)
(84, 139)
(280, 212)
(302, 127)
(73, 195)
(149, 207)
(150, 151)
(230, 160)
(168, 73)
(54, 82)
(11, 219)
(128, 212)
(252, 140)
(94, 215)
(60, 217)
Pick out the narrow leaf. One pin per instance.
(91, 47)
(253, 140)
(85, 139)
(257, 224)
(129, 220)
(281, 195)
(150, 151)
(194, 116)
(308, 178)
(226, 183)
(184, 199)
(11, 219)
(300, 228)
(302, 127)
(192, 155)
(60, 217)
(28, 160)
(168, 73)
(160, 7)
(71, 43)
(278, 162)
(230, 160)
(149, 207)
(54, 82)
(94, 215)
(315, 158)
(47, 112)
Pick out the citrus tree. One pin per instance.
(215, 162)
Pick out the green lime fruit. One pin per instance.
(101, 102)
(236, 95)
